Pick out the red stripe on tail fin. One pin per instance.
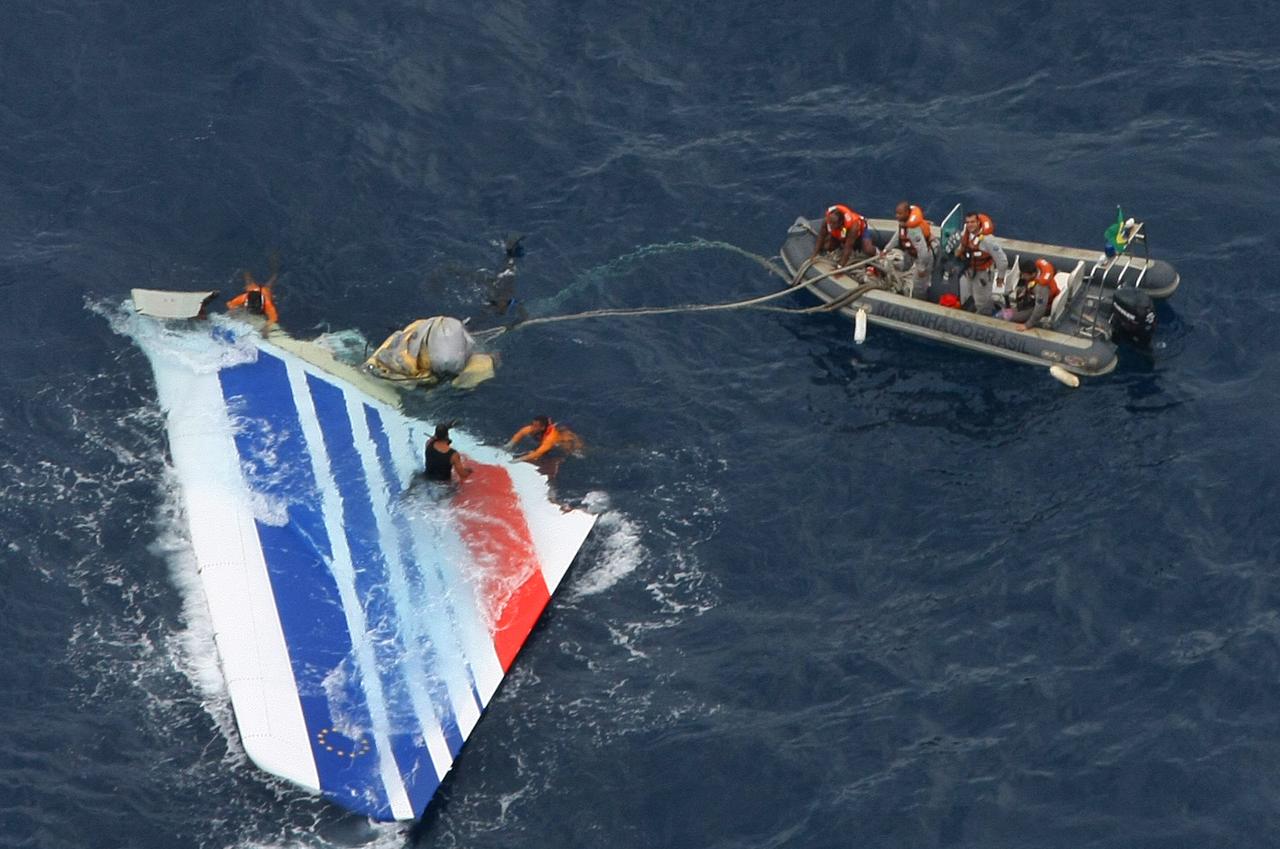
(508, 577)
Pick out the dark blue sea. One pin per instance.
(889, 595)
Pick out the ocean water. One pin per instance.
(889, 595)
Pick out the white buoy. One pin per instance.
(1063, 376)
(860, 326)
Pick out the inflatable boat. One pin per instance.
(1102, 298)
(363, 617)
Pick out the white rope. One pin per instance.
(749, 303)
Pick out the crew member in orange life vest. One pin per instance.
(915, 238)
(844, 227)
(256, 298)
(981, 253)
(1036, 299)
(549, 435)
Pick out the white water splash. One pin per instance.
(621, 554)
(174, 342)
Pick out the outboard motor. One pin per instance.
(1133, 315)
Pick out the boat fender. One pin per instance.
(1064, 377)
(860, 326)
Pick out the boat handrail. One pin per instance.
(1121, 262)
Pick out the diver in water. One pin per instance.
(256, 297)
(442, 461)
(549, 435)
(501, 294)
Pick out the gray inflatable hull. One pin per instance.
(1079, 341)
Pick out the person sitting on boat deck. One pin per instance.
(1036, 290)
(981, 252)
(256, 298)
(549, 435)
(442, 461)
(915, 238)
(844, 227)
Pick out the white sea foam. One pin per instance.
(174, 342)
(347, 346)
(621, 550)
(321, 835)
(196, 655)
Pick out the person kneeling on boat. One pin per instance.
(442, 461)
(548, 434)
(256, 298)
(843, 227)
(915, 238)
(981, 253)
(1034, 296)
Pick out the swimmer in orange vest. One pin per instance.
(256, 298)
(549, 435)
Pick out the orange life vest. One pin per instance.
(849, 221)
(971, 244)
(915, 218)
(1045, 277)
(257, 298)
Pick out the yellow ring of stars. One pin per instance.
(358, 747)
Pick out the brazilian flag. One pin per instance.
(1115, 236)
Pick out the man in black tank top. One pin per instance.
(442, 460)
